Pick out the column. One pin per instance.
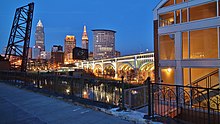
(116, 68)
(178, 57)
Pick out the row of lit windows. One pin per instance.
(204, 11)
(196, 44)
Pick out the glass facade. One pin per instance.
(185, 45)
(172, 2)
(186, 76)
(167, 75)
(197, 44)
(199, 12)
(218, 8)
(195, 74)
(179, 1)
(167, 48)
(203, 11)
(169, 3)
(184, 15)
(104, 44)
(204, 44)
(166, 19)
(177, 16)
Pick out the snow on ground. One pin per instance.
(131, 115)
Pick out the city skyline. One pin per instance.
(61, 19)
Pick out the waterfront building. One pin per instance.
(103, 43)
(85, 39)
(186, 38)
(40, 36)
(70, 43)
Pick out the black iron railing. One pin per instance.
(185, 103)
(94, 89)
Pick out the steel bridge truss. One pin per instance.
(19, 39)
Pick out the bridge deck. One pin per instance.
(20, 106)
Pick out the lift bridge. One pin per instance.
(19, 39)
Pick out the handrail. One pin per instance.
(204, 77)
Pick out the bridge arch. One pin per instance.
(107, 65)
(146, 70)
(125, 69)
(109, 70)
(98, 70)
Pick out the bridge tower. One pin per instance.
(19, 39)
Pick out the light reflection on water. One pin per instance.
(96, 92)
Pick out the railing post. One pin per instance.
(123, 95)
(177, 99)
(129, 95)
(38, 76)
(145, 95)
(149, 96)
(209, 121)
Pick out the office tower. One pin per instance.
(57, 55)
(36, 52)
(85, 40)
(103, 43)
(70, 43)
(40, 36)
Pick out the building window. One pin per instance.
(204, 43)
(196, 74)
(185, 45)
(184, 15)
(186, 77)
(179, 1)
(218, 8)
(167, 75)
(167, 48)
(203, 11)
(168, 3)
(177, 16)
(166, 19)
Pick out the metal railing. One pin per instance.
(136, 97)
(185, 103)
(94, 89)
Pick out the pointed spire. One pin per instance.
(84, 28)
(39, 24)
(84, 36)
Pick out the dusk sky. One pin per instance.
(131, 19)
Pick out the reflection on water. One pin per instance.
(94, 91)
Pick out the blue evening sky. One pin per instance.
(131, 19)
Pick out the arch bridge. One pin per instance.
(134, 68)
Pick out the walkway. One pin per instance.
(23, 107)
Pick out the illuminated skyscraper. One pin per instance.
(39, 36)
(85, 39)
(70, 43)
(104, 43)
